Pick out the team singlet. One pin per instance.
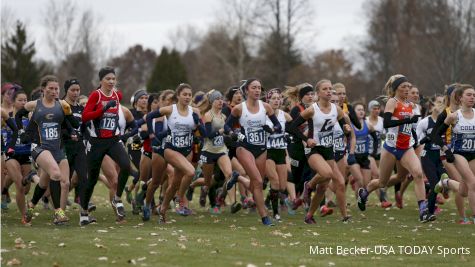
(106, 126)
(323, 124)
(277, 140)
(463, 134)
(378, 130)
(400, 137)
(362, 139)
(180, 128)
(251, 125)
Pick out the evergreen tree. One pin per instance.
(17, 60)
(168, 72)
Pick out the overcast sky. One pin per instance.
(149, 22)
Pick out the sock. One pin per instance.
(144, 187)
(397, 187)
(39, 192)
(274, 200)
(421, 204)
(55, 188)
(123, 177)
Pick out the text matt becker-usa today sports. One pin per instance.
(389, 250)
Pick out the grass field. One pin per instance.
(234, 240)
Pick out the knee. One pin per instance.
(65, 184)
(327, 176)
(56, 175)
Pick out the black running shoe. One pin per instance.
(118, 208)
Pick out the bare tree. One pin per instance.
(61, 23)
(7, 21)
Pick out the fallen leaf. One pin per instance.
(99, 246)
(132, 261)
(268, 264)
(124, 245)
(182, 246)
(102, 231)
(152, 245)
(13, 262)
(62, 245)
(153, 252)
(141, 259)
(102, 258)
(153, 234)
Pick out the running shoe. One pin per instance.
(297, 203)
(28, 178)
(398, 197)
(189, 193)
(309, 220)
(215, 210)
(135, 207)
(60, 217)
(146, 213)
(118, 207)
(426, 216)
(290, 206)
(91, 207)
(188, 211)
(85, 219)
(234, 178)
(465, 221)
(235, 207)
(386, 204)
(203, 193)
(28, 214)
(324, 211)
(346, 219)
(442, 186)
(277, 218)
(362, 198)
(267, 221)
(331, 204)
(307, 193)
(161, 217)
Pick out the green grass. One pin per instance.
(234, 240)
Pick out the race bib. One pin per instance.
(50, 131)
(218, 141)
(108, 123)
(360, 146)
(277, 141)
(181, 139)
(325, 138)
(255, 136)
(339, 144)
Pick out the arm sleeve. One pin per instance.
(150, 116)
(9, 122)
(292, 128)
(437, 136)
(91, 111)
(19, 116)
(230, 122)
(389, 122)
(275, 121)
(209, 131)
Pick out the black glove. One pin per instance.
(267, 129)
(136, 139)
(415, 118)
(449, 156)
(425, 140)
(24, 137)
(110, 104)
